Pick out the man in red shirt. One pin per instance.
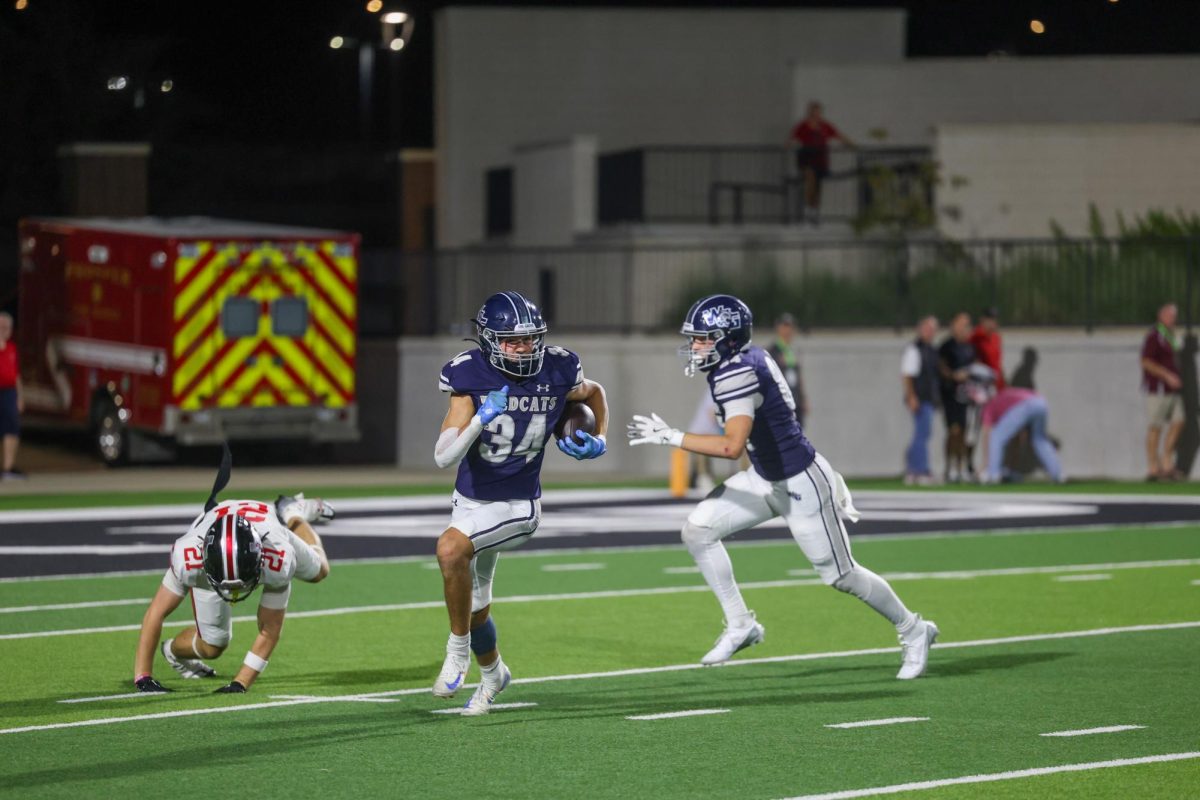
(813, 135)
(986, 341)
(1164, 404)
(11, 401)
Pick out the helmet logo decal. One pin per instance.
(721, 317)
(481, 317)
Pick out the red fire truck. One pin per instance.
(193, 329)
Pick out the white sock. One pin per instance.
(492, 671)
(715, 566)
(459, 646)
(879, 595)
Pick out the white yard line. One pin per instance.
(683, 571)
(1090, 731)
(349, 698)
(997, 776)
(132, 601)
(1102, 576)
(659, 590)
(871, 723)
(114, 697)
(572, 567)
(698, 712)
(494, 707)
(621, 673)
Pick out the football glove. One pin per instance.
(652, 430)
(495, 405)
(148, 684)
(233, 687)
(588, 447)
(288, 507)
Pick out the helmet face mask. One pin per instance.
(507, 320)
(232, 558)
(721, 319)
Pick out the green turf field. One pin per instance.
(1040, 634)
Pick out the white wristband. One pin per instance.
(254, 662)
(675, 439)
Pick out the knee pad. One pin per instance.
(694, 534)
(213, 638)
(483, 638)
(854, 582)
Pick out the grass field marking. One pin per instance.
(572, 567)
(646, 592)
(132, 601)
(1100, 576)
(697, 712)
(682, 571)
(1196, 582)
(112, 697)
(997, 776)
(620, 673)
(493, 707)
(1090, 731)
(345, 698)
(537, 552)
(82, 549)
(870, 723)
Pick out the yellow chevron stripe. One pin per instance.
(329, 283)
(204, 281)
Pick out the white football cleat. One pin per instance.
(733, 639)
(915, 648)
(314, 510)
(450, 679)
(481, 702)
(187, 667)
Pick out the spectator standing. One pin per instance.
(919, 375)
(812, 136)
(988, 346)
(1164, 403)
(12, 403)
(954, 357)
(785, 357)
(1006, 415)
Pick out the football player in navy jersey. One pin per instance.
(506, 396)
(787, 478)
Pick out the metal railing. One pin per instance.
(749, 183)
(861, 283)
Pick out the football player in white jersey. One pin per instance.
(788, 479)
(227, 552)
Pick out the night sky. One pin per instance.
(252, 71)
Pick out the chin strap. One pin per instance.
(223, 473)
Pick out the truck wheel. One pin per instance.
(112, 438)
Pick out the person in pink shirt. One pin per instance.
(1004, 416)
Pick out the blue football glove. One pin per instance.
(588, 447)
(495, 405)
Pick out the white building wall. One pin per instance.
(504, 76)
(857, 418)
(1012, 180)
(908, 101)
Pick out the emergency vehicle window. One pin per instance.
(239, 317)
(289, 316)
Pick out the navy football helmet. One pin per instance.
(721, 319)
(232, 557)
(508, 315)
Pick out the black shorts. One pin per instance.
(811, 158)
(955, 412)
(10, 420)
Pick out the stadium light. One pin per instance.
(396, 45)
(117, 83)
(374, 6)
(395, 18)
(22, 5)
(1036, 26)
(167, 86)
(337, 42)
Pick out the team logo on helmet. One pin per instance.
(721, 317)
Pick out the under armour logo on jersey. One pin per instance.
(721, 317)
(543, 387)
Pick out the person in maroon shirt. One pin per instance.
(813, 135)
(11, 401)
(1164, 403)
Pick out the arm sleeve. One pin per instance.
(172, 583)
(453, 444)
(276, 598)
(743, 406)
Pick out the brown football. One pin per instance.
(575, 417)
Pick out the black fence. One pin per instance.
(862, 283)
(759, 184)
